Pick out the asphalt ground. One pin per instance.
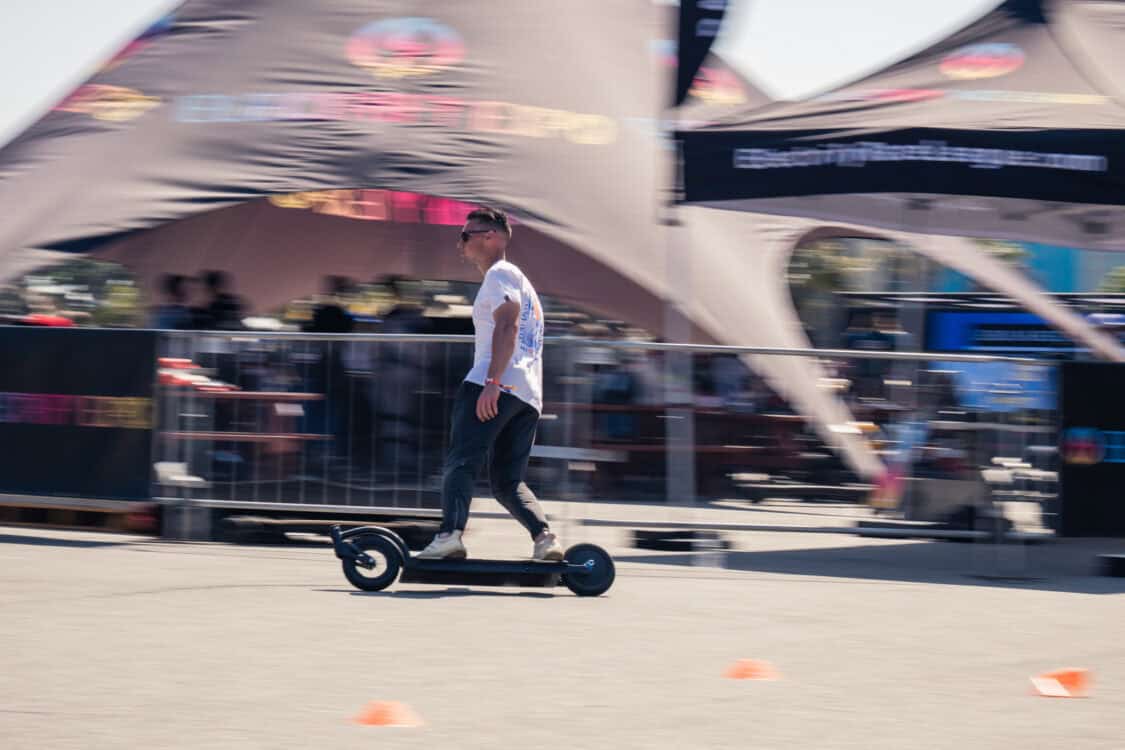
(112, 641)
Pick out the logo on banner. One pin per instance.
(861, 153)
(405, 47)
(502, 118)
(109, 103)
(982, 61)
(380, 205)
(1083, 446)
(712, 85)
(81, 411)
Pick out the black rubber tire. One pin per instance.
(598, 580)
(378, 547)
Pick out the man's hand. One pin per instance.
(488, 402)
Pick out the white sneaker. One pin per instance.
(548, 548)
(444, 547)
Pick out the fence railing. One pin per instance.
(362, 421)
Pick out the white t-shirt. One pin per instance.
(523, 377)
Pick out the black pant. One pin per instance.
(505, 443)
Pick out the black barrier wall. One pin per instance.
(1092, 449)
(76, 412)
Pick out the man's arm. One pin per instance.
(503, 337)
(506, 318)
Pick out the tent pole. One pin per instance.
(680, 481)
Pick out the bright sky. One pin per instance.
(790, 48)
(796, 48)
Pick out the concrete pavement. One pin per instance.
(120, 642)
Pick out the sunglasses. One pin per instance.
(467, 233)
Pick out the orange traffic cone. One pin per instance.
(1063, 683)
(752, 669)
(388, 714)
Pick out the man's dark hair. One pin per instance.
(493, 218)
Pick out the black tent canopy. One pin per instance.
(1012, 128)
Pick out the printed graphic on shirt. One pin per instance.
(531, 328)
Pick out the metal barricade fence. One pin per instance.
(307, 419)
(362, 421)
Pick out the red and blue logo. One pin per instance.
(402, 47)
(982, 61)
(712, 84)
(1083, 446)
(151, 34)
